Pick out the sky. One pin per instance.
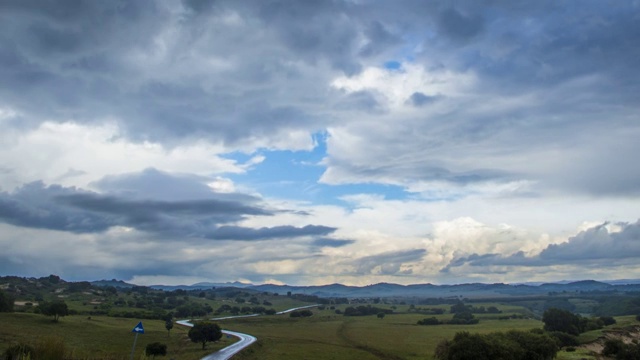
(315, 142)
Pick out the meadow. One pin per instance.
(100, 337)
(325, 335)
(100, 323)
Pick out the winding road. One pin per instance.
(245, 339)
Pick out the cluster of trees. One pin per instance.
(512, 345)
(617, 349)
(460, 307)
(363, 310)
(565, 326)
(463, 318)
(570, 323)
(426, 311)
(235, 310)
(429, 321)
(618, 305)
(193, 309)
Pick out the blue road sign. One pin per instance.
(138, 329)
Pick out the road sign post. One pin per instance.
(138, 330)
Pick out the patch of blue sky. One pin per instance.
(393, 65)
(294, 175)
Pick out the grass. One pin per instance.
(324, 336)
(330, 336)
(579, 354)
(100, 337)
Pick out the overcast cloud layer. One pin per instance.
(317, 142)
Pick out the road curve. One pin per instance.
(245, 339)
(229, 351)
(297, 308)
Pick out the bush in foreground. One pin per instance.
(156, 348)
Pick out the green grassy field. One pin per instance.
(100, 337)
(330, 336)
(325, 335)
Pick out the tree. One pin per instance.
(459, 307)
(204, 332)
(6, 302)
(156, 348)
(607, 320)
(561, 320)
(168, 324)
(55, 309)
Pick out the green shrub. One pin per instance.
(18, 352)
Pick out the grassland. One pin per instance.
(100, 337)
(327, 335)
(324, 336)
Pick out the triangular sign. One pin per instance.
(138, 329)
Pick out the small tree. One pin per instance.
(168, 324)
(55, 309)
(6, 302)
(204, 332)
(156, 348)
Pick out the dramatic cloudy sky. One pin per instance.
(311, 142)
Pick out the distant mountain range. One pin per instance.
(473, 290)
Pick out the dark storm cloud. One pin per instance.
(460, 26)
(250, 73)
(159, 185)
(33, 205)
(420, 99)
(243, 233)
(69, 209)
(334, 243)
(596, 245)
